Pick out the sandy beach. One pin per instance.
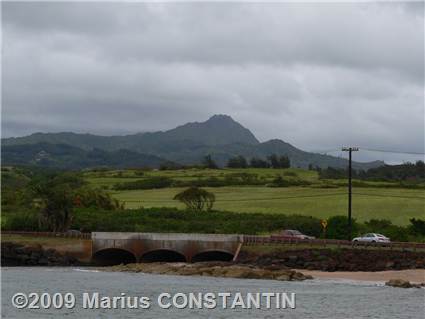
(412, 275)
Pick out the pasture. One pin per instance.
(321, 199)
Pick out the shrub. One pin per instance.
(417, 226)
(289, 173)
(279, 181)
(21, 221)
(375, 224)
(186, 221)
(196, 199)
(337, 227)
(258, 163)
(237, 162)
(148, 183)
(88, 197)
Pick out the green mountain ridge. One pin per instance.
(64, 156)
(220, 136)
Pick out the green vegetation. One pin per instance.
(220, 136)
(63, 156)
(251, 200)
(407, 173)
(196, 199)
(54, 197)
(272, 161)
(45, 200)
(273, 191)
(208, 162)
(190, 221)
(397, 205)
(148, 183)
(338, 227)
(172, 220)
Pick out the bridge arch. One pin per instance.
(212, 255)
(162, 255)
(113, 256)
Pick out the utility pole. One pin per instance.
(349, 150)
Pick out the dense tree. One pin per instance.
(57, 195)
(284, 162)
(208, 162)
(258, 163)
(196, 199)
(237, 162)
(279, 162)
(89, 197)
(54, 196)
(405, 172)
(417, 226)
(337, 227)
(274, 160)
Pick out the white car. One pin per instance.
(372, 238)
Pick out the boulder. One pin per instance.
(400, 283)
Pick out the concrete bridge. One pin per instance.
(109, 248)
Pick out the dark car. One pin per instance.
(292, 234)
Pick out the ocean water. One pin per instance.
(314, 298)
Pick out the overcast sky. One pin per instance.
(315, 75)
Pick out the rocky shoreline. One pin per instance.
(213, 269)
(400, 283)
(14, 254)
(337, 259)
(275, 266)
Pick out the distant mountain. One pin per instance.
(218, 130)
(69, 157)
(299, 158)
(220, 136)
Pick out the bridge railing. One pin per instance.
(250, 240)
(49, 234)
(269, 240)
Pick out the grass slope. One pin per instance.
(395, 204)
(322, 203)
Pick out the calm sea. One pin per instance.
(314, 298)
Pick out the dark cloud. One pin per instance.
(315, 75)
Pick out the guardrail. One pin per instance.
(250, 240)
(49, 234)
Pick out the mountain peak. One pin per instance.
(221, 118)
(219, 129)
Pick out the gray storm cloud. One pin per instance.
(316, 75)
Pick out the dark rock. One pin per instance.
(345, 259)
(13, 254)
(400, 283)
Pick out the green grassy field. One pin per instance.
(109, 178)
(322, 203)
(395, 204)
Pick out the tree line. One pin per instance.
(414, 172)
(239, 161)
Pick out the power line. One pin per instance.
(370, 150)
(390, 151)
(326, 151)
